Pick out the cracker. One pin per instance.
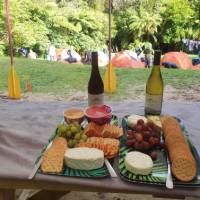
(53, 157)
(183, 163)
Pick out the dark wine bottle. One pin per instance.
(95, 84)
(154, 88)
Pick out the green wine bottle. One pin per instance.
(154, 88)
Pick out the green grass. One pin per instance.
(66, 80)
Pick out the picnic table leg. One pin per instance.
(48, 194)
(7, 194)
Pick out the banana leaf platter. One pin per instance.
(69, 172)
(159, 172)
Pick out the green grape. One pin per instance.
(61, 129)
(74, 142)
(68, 134)
(73, 129)
(77, 136)
(67, 128)
(84, 137)
(70, 144)
(81, 141)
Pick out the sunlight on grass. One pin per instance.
(63, 79)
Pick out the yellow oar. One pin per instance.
(110, 79)
(13, 80)
(110, 76)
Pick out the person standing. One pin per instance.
(149, 55)
(52, 53)
(32, 54)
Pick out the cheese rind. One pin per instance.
(132, 120)
(138, 163)
(84, 158)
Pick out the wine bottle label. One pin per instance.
(95, 99)
(153, 104)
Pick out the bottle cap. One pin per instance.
(157, 56)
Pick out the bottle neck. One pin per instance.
(95, 67)
(156, 69)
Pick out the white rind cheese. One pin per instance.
(132, 120)
(138, 163)
(84, 158)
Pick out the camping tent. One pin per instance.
(178, 59)
(196, 67)
(124, 60)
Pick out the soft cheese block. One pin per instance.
(84, 158)
(138, 163)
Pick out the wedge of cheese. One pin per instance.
(138, 163)
(84, 158)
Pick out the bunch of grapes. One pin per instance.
(72, 132)
(144, 137)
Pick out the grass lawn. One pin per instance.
(66, 80)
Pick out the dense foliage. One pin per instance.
(84, 23)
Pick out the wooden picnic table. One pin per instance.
(26, 126)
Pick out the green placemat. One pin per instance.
(159, 172)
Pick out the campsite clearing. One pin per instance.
(58, 81)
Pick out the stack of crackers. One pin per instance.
(183, 163)
(109, 146)
(52, 161)
(105, 131)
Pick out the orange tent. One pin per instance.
(196, 66)
(123, 60)
(180, 59)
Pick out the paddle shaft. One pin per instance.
(9, 34)
(109, 28)
(109, 47)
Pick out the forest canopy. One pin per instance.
(83, 24)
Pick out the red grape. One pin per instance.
(151, 141)
(151, 125)
(138, 146)
(140, 122)
(155, 134)
(129, 142)
(145, 127)
(146, 135)
(150, 129)
(138, 128)
(153, 155)
(130, 136)
(156, 141)
(145, 145)
(139, 137)
(129, 132)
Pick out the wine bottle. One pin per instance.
(95, 84)
(154, 88)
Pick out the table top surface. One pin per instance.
(26, 126)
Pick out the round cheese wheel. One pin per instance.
(138, 163)
(84, 158)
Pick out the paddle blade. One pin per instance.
(110, 79)
(13, 84)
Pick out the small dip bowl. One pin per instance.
(100, 114)
(73, 115)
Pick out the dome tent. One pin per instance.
(177, 59)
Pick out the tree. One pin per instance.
(178, 18)
(144, 24)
